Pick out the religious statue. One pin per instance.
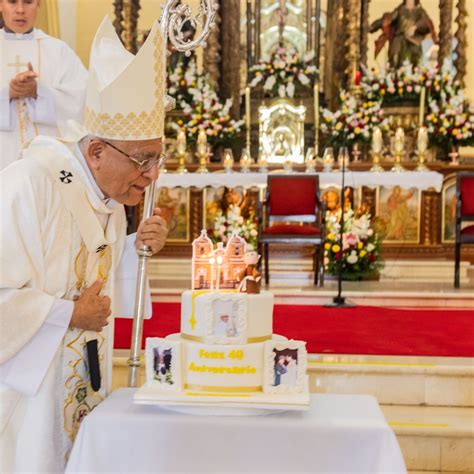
(250, 277)
(282, 148)
(404, 28)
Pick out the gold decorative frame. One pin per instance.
(418, 217)
(448, 185)
(186, 191)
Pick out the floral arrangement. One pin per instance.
(360, 252)
(232, 221)
(450, 119)
(202, 107)
(405, 83)
(355, 119)
(284, 73)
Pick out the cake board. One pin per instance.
(226, 404)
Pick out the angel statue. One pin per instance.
(405, 28)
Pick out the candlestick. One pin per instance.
(228, 160)
(247, 115)
(399, 148)
(421, 119)
(181, 148)
(316, 118)
(377, 145)
(202, 151)
(245, 161)
(328, 159)
(421, 147)
(310, 160)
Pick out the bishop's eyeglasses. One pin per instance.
(144, 164)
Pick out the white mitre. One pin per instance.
(126, 93)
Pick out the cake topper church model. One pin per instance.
(224, 267)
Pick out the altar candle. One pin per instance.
(247, 107)
(399, 140)
(421, 119)
(202, 142)
(422, 141)
(182, 142)
(377, 140)
(316, 117)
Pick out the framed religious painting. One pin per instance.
(163, 364)
(285, 366)
(448, 211)
(175, 208)
(398, 212)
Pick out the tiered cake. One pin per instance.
(226, 353)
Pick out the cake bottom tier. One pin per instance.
(223, 368)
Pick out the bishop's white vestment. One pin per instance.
(61, 90)
(58, 237)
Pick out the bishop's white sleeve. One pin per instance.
(6, 120)
(42, 110)
(126, 282)
(25, 371)
(25, 310)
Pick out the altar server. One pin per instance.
(42, 81)
(63, 248)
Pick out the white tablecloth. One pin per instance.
(355, 179)
(340, 433)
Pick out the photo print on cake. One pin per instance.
(226, 319)
(285, 366)
(163, 365)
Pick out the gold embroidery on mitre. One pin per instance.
(132, 126)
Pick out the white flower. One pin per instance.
(290, 89)
(352, 259)
(269, 83)
(370, 232)
(304, 80)
(370, 247)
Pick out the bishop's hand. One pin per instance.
(152, 232)
(24, 84)
(91, 310)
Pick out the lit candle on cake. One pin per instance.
(212, 261)
(219, 264)
(421, 119)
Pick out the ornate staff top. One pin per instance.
(176, 14)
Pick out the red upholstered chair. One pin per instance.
(293, 206)
(464, 213)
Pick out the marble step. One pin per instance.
(434, 439)
(415, 381)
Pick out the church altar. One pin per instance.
(353, 179)
(339, 433)
(416, 208)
